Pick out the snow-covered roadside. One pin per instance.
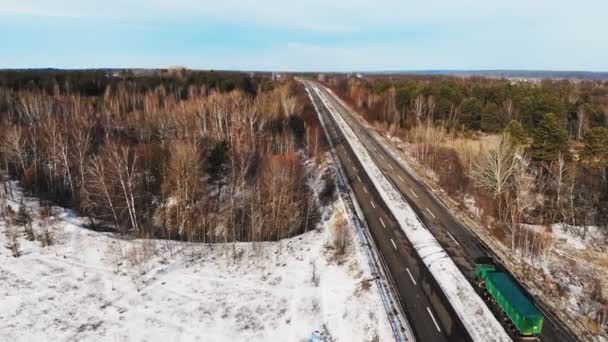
(471, 309)
(92, 286)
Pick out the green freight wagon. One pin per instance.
(514, 303)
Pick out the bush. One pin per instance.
(446, 165)
(13, 244)
(24, 218)
(14, 247)
(46, 237)
(340, 236)
(326, 195)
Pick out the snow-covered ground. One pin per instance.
(471, 309)
(573, 268)
(91, 286)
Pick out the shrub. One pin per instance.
(24, 218)
(340, 235)
(13, 244)
(46, 237)
(326, 195)
(446, 165)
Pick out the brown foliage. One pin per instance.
(137, 159)
(446, 165)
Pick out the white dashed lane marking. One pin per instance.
(452, 237)
(413, 193)
(433, 317)
(411, 277)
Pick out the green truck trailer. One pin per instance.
(526, 317)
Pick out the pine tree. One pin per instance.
(595, 152)
(516, 132)
(550, 140)
(489, 119)
(470, 110)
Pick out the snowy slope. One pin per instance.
(473, 312)
(92, 286)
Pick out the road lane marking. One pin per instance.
(433, 317)
(391, 166)
(381, 156)
(408, 272)
(359, 178)
(400, 178)
(382, 222)
(373, 205)
(394, 246)
(413, 193)
(365, 189)
(430, 212)
(452, 237)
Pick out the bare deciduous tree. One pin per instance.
(495, 171)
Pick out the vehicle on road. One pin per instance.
(502, 292)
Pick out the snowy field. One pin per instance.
(91, 286)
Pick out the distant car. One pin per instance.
(316, 337)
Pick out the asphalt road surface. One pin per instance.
(458, 241)
(426, 308)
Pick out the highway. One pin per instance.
(426, 308)
(459, 242)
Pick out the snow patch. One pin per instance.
(99, 287)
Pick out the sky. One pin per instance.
(306, 35)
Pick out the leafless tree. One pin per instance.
(520, 199)
(123, 165)
(15, 148)
(495, 171)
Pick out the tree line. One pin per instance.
(176, 155)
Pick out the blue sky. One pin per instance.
(302, 35)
